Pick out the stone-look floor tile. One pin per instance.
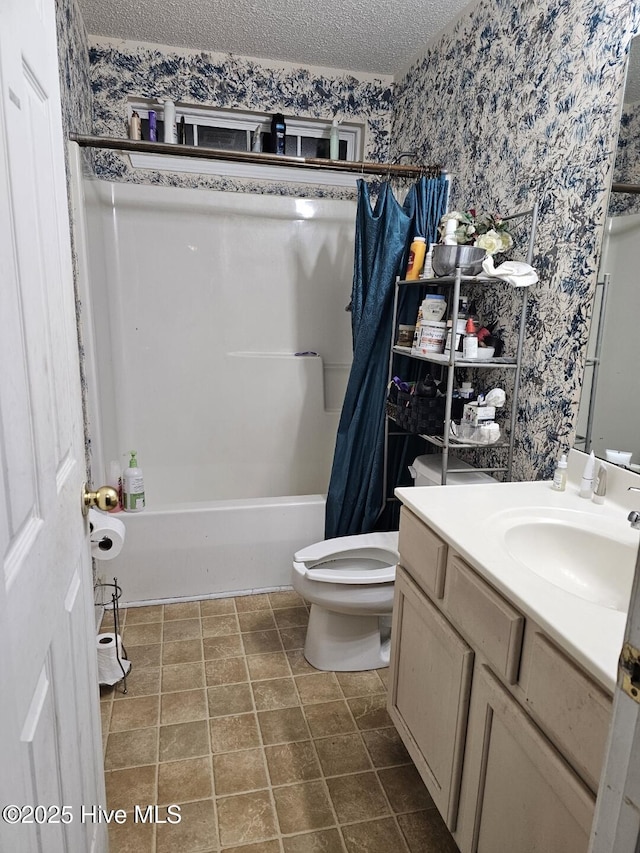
(194, 832)
(275, 693)
(140, 682)
(183, 707)
(292, 762)
(329, 718)
(360, 683)
(299, 664)
(425, 832)
(322, 841)
(220, 626)
(181, 629)
(285, 598)
(260, 642)
(385, 747)
(228, 734)
(370, 712)
(108, 622)
(131, 749)
(384, 676)
(285, 725)
(184, 781)
(229, 699)
(405, 789)
(182, 676)
(225, 671)
(182, 610)
(256, 620)
(142, 634)
(146, 655)
(217, 606)
(320, 687)
(342, 754)
(132, 837)
(273, 665)
(376, 836)
(246, 818)
(147, 613)
(293, 638)
(237, 772)
(303, 807)
(357, 797)
(105, 720)
(222, 647)
(272, 846)
(130, 787)
(184, 740)
(136, 713)
(181, 651)
(291, 617)
(252, 602)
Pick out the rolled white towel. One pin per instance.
(516, 273)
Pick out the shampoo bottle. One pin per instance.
(416, 258)
(278, 134)
(169, 117)
(560, 475)
(133, 486)
(334, 141)
(135, 128)
(588, 477)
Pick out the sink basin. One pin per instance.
(588, 556)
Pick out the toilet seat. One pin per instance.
(368, 558)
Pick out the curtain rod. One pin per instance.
(391, 169)
(634, 189)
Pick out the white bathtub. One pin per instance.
(209, 550)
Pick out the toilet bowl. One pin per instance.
(349, 582)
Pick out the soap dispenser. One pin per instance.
(133, 486)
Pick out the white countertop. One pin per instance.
(462, 515)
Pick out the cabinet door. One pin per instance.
(429, 697)
(518, 794)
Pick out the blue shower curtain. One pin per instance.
(383, 235)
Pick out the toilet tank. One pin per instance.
(426, 471)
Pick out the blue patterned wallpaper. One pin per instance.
(627, 168)
(73, 58)
(120, 70)
(520, 100)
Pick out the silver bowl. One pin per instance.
(445, 260)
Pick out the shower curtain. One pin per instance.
(383, 235)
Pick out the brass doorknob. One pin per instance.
(105, 498)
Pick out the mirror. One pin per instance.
(609, 414)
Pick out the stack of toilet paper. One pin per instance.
(109, 647)
(106, 534)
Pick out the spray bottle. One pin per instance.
(133, 486)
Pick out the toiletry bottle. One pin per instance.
(114, 480)
(470, 341)
(182, 132)
(135, 128)
(600, 489)
(169, 118)
(427, 271)
(450, 233)
(334, 141)
(560, 475)
(416, 258)
(588, 477)
(278, 134)
(133, 486)
(256, 146)
(153, 135)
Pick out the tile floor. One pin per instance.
(263, 753)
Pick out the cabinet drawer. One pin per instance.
(491, 624)
(573, 711)
(422, 553)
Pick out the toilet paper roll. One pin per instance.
(109, 647)
(106, 535)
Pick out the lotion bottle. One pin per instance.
(416, 258)
(588, 477)
(560, 475)
(133, 486)
(450, 233)
(169, 118)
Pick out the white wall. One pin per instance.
(199, 300)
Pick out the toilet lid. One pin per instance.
(366, 558)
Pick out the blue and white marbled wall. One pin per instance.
(520, 100)
(73, 60)
(627, 168)
(121, 70)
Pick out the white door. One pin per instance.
(49, 713)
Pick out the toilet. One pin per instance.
(350, 583)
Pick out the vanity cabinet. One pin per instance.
(506, 731)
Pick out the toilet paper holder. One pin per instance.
(115, 597)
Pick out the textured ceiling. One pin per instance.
(377, 36)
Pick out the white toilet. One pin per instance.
(349, 582)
